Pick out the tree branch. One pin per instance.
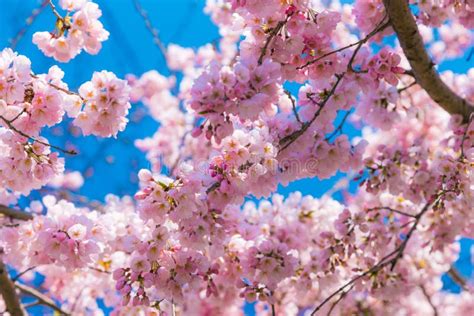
(154, 32)
(426, 75)
(29, 21)
(15, 214)
(291, 138)
(34, 139)
(430, 301)
(389, 260)
(7, 289)
(42, 299)
(457, 278)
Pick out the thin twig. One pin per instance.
(100, 270)
(382, 25)
(391, 259)
(340, 126)
(293, 105)
(381, 264)
(391, 210)
(428, 298)
(341, 297)
(59, 88)
(269, 39)
(33, 139)
(290, 139)
(409, 234)
(19, 275)
(154, 32)
(407, 87)
(32, 304)
(55, 12)
(29, 21)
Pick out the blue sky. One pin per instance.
(130, 49)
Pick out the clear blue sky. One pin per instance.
(130, 49)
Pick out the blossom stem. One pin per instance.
(55, 12)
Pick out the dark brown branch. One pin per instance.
(289, 139)
(457, 278)
(341, 297)
(400, 90)
(19, 275)
(274, 32)
(42, 299)
(383, 25)
(404, 244)
(10, 297)
(15, 214)
(423, 68)
(340, 126)
(381, 264)
(293, 105)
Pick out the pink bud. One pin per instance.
(196, 131)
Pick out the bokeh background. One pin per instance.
(111, 165)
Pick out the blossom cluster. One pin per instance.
(79, 30)
(106, 105)
(29, 103)
(266, 108)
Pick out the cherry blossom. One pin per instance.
(268, 104)
(106, 105)
(79, 29)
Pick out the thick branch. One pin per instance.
(426, 75)
(7, 289)
(15, 214)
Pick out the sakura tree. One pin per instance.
(265, 105)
